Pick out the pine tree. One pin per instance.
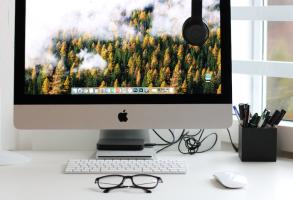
(157, 50)
(34, 84)
(104, 52)
(145, 42)
(155, 75)
(34, 74)
(168, 74)
(74, 42)
(71, 57)
(137, 40)
(63, 49)
(167, 59)
(164, 84)
(219, 90)
(184, 86)
(197, 76)
(180, 52)
(188, 59)
(123, 84)
(203, 71)
(152, 41)
(78, 75)
(190, 74)
(176, 77)
(219, 34)
(142, 16)
(130, 66)
(72, 70)
(219, 61)
(106, 73)
(154, 61)
(138, 78)
(117, 70)
(80, 43)
(138, 61)
(46, 87)
(162, 75)
(110, 48)
(103, 84)
(58, 46)
(116, 83)
(67, 84)
(149, 77)
(215, 51)
(145, 54)
(98, 48)
(110, 67)
(57, 86)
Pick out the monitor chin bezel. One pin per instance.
(20, 98)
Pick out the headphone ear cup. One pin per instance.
(195, 33)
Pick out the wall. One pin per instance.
(38, 139)
(3, 31)
(6, 52)
(0, 116)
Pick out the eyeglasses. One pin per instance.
(141, 181)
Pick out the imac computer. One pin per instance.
(122, 66)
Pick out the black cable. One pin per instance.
(163, 139)
(173, 135)
(233, 145)
(174, 140)
(192, 142)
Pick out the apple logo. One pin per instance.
(123, 116)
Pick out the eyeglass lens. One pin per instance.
(142, 181)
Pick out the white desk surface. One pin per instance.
(42, 179)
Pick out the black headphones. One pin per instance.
(195, 31)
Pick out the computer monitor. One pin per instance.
(120, 64)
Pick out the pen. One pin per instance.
(263, 118)
(241, 113)
(257, 121)
(282, 115)
(253, 121)
(236, 112)
(272, 121)
(246, 115)
(266, 121)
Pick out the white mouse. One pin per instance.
(231, 179)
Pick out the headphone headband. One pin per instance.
(196, 9)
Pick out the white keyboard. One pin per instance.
(125, 167)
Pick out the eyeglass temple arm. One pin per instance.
(108, 190)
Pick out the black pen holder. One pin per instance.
(258, 144)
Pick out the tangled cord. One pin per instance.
(187, 143)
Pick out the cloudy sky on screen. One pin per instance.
(46, 17)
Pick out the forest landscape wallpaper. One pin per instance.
(101, 44)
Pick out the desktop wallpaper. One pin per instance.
(102, 47)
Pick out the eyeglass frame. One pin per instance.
(118, 186)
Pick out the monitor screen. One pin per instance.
(119, 47)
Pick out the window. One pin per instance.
(267, 59)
